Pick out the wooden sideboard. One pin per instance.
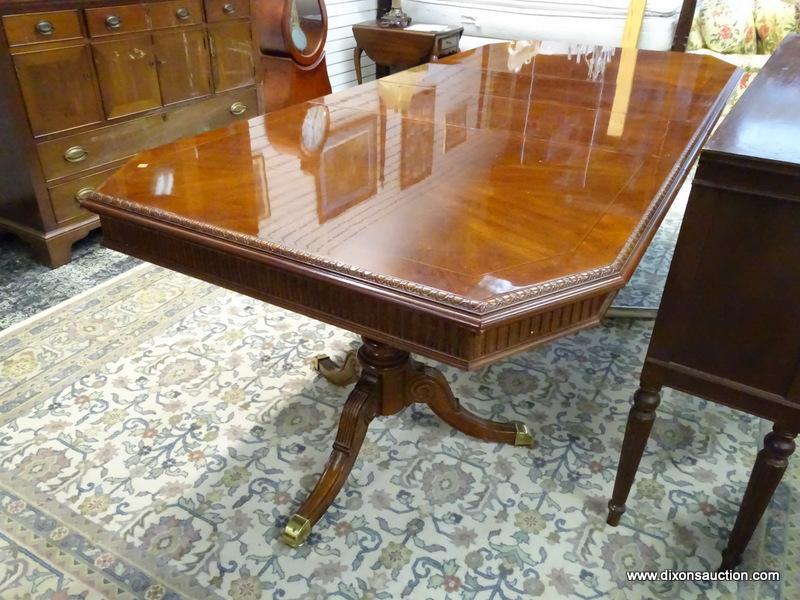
(728, 329)
(84, 85)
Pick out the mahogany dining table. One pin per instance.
(464, 211)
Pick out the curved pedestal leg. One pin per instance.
(342, 375)
(771, 462)
(640, 422)
(431, 387)
(390, 381)
(358, 412)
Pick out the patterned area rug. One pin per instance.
(156, 433)
(26, 287)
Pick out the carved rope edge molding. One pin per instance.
(429, 293)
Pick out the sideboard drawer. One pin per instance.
(112, 20)
(72, 154)
(64, 197)
(177, 13)
(222, 10)
(32, 28)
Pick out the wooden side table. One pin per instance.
(402, 47)
(728, 329)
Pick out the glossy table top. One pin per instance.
(476, 182)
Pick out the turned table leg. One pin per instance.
(357, 63)
(637, 431)
(767, 472)
(390, 381)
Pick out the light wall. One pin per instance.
(342, 15)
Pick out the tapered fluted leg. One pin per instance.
(637, 431)
(771, 463)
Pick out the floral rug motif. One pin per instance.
(156, 433)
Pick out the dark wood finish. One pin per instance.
(684, 26)
(398, 48)
(771, 463)
(737, 342)
(148, 73)
(292, 74)
(518, 233)
(640, 422)
(390, 381)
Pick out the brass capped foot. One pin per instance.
(342, 375)
(523, 437)
(390, 381)
(296, 531)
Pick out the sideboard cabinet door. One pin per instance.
(59, 88)
(127, 72)
(231, 55)
(183, 68)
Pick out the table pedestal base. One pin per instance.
(390, 381)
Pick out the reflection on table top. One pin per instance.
(483, 176)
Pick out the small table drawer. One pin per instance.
(178, 13)
(111, 20)
(64, 198)
(32, 28)
(76, 153)
(221, 10)
(449, 44)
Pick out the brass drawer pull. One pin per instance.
(228, 8)
(45, 28)
(113, 22)
(182, 14)
(76, 154)
(238, 108)
(83, 193)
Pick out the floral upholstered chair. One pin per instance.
(743, 32)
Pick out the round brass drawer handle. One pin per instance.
(228, 8)
(182, 14)
(113, 22)
(238, 108)
(76, 154)
(83, 193)
(45, 28)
